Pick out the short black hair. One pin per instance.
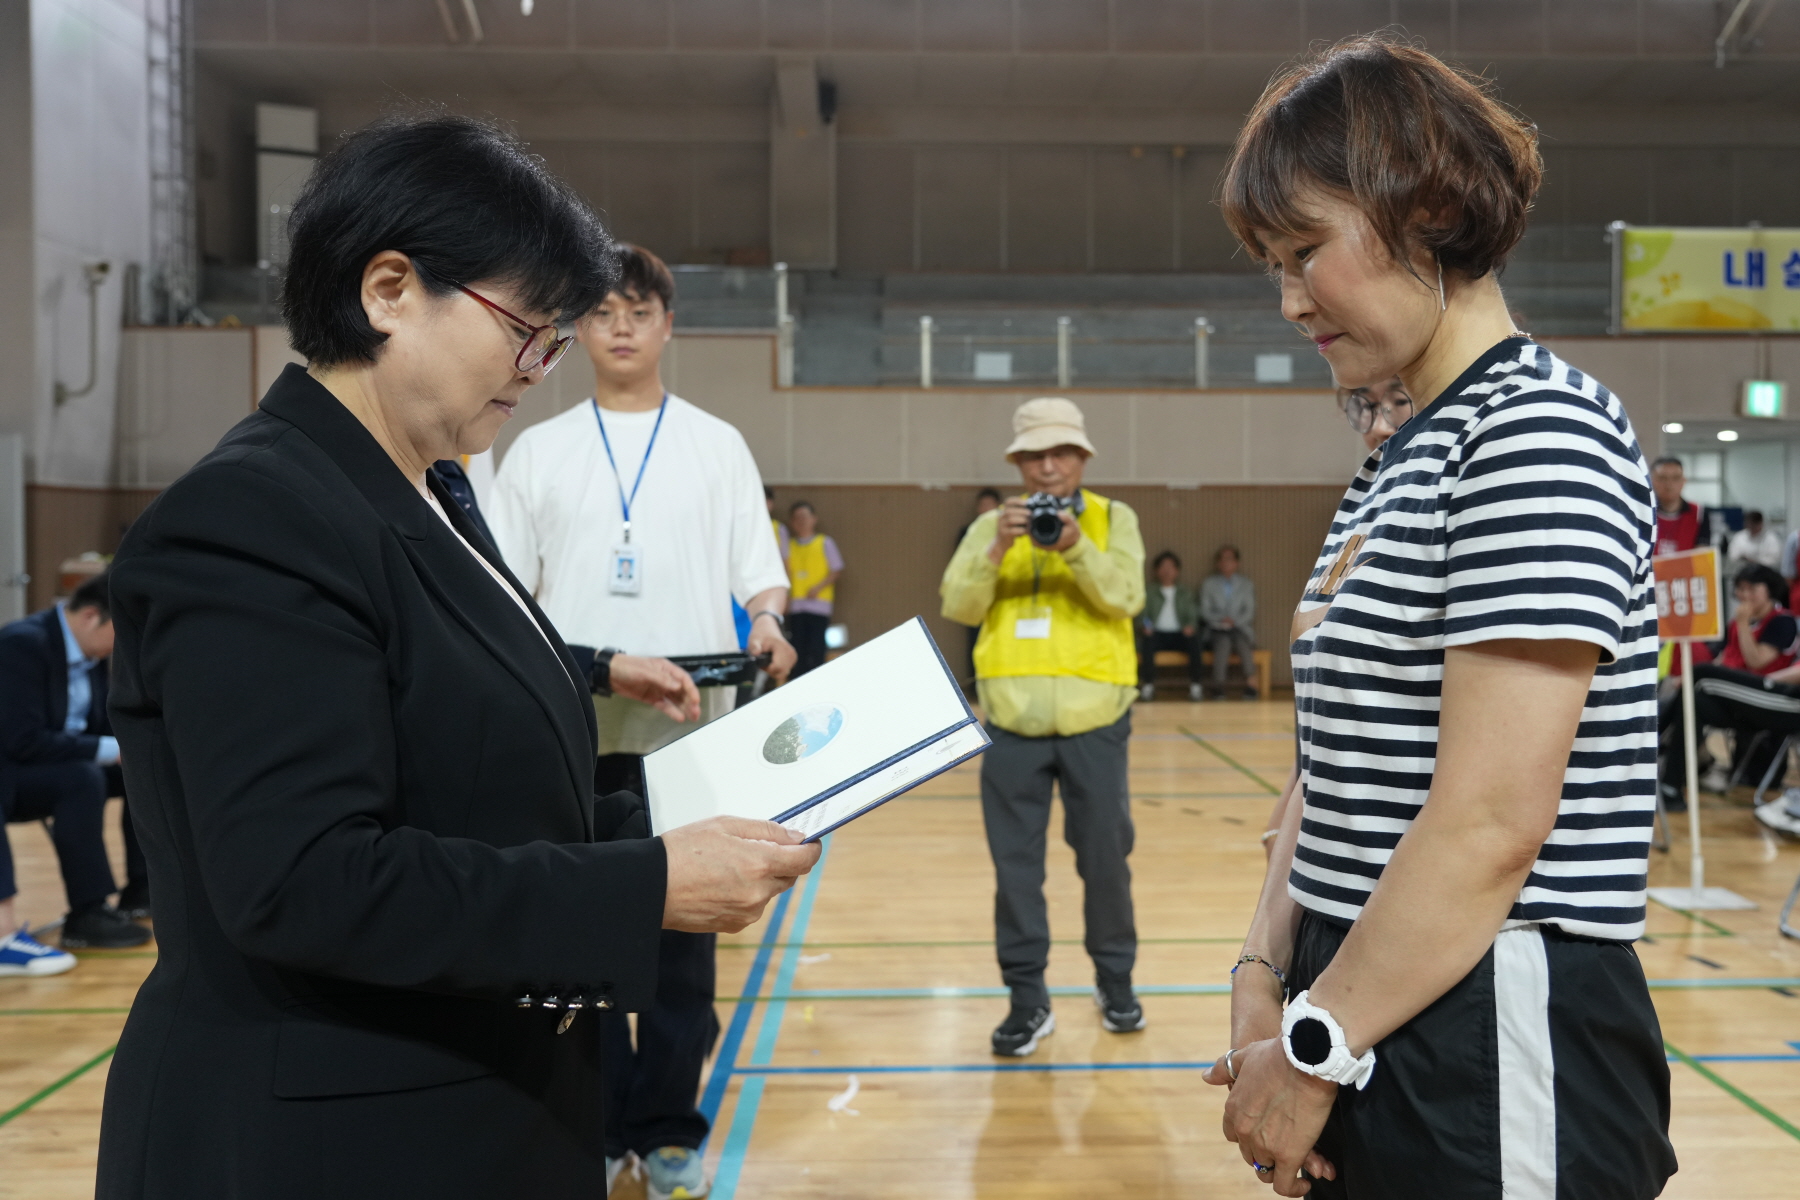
(1168, 554)
(643, 275)
(990, 494)
(1235, 552)
(1384, 124)
(94, 592)
(459, 197)
(1668, 460)
(797, 505)
(768, 492)
(1754, 514)
(1769, 577)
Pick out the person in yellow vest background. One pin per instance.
(1056, 670)
(813, 564)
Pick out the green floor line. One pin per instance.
(65, 1081)
(1200, 741)
(1214, 941)
(1718, 930)
(1748, 1101)
(59, 1012)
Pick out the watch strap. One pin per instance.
(1340, 1066)
(600, 674)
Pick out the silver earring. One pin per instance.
(1441, 305)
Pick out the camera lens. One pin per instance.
(1046, 527)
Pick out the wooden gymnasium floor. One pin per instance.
(879, 971)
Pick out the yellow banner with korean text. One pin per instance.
(1689, 606)
(1709, 279)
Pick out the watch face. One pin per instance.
(1310, 1040)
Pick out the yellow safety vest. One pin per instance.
(1036, 583)
(807, 564)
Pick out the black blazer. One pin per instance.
(364, 783)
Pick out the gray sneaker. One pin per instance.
(675, 1173)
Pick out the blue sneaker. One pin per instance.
(675, 1173)
(22, 954)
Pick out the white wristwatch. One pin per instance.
(1315, 1044)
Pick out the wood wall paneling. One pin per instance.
(62, 522)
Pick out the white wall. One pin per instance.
(91, 201)
(1681, 378)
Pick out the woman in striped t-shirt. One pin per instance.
(1451, 903)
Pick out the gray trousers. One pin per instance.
(1016, 777)
(1222, 642)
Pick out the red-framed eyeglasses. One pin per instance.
(542, 350)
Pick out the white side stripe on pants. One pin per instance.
(1527, 1071)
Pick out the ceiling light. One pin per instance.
(1673, 427)
(525, 8)
(1728, 435)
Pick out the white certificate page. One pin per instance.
(831, 727)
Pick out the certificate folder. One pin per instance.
(826, 748)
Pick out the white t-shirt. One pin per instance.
(698, 523)
(1747, 547)
(1167, 619)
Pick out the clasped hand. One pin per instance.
(724, 870)
(1274, 1113)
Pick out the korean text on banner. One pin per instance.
(1688, 603)
(1677, 279)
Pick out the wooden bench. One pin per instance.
(1262, 660)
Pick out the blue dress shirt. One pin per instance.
(81, 691)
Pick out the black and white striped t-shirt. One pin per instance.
(1516, 505)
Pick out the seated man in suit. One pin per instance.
(1228, 608)
(59, 760)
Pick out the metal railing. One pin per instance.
(1117, 348)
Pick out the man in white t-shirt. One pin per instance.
(1754, 543)
(636, 519)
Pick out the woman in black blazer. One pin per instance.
(360, 758)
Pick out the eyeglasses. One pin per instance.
(639, 318)
(542, 350)
(1361, 412)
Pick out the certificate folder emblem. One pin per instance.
(842, 739)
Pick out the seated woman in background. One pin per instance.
(1745, 688)
(362, 760)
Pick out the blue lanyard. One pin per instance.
(625, 502)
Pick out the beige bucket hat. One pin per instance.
(1046, 423)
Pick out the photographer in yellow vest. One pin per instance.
(1054, 577)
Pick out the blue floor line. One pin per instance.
(714, 1095)
(743, 1117)
(1002, 1068)
(782, 995)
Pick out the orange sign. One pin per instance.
(1688, 604)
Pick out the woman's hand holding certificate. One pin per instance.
(723, 871)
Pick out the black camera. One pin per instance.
(1044, 516)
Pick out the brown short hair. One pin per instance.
(643, 275)
(1395, 130)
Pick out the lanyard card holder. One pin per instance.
(1034, 625)
(625, 570)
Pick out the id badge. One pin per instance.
(1034, 627)
(625, 575)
